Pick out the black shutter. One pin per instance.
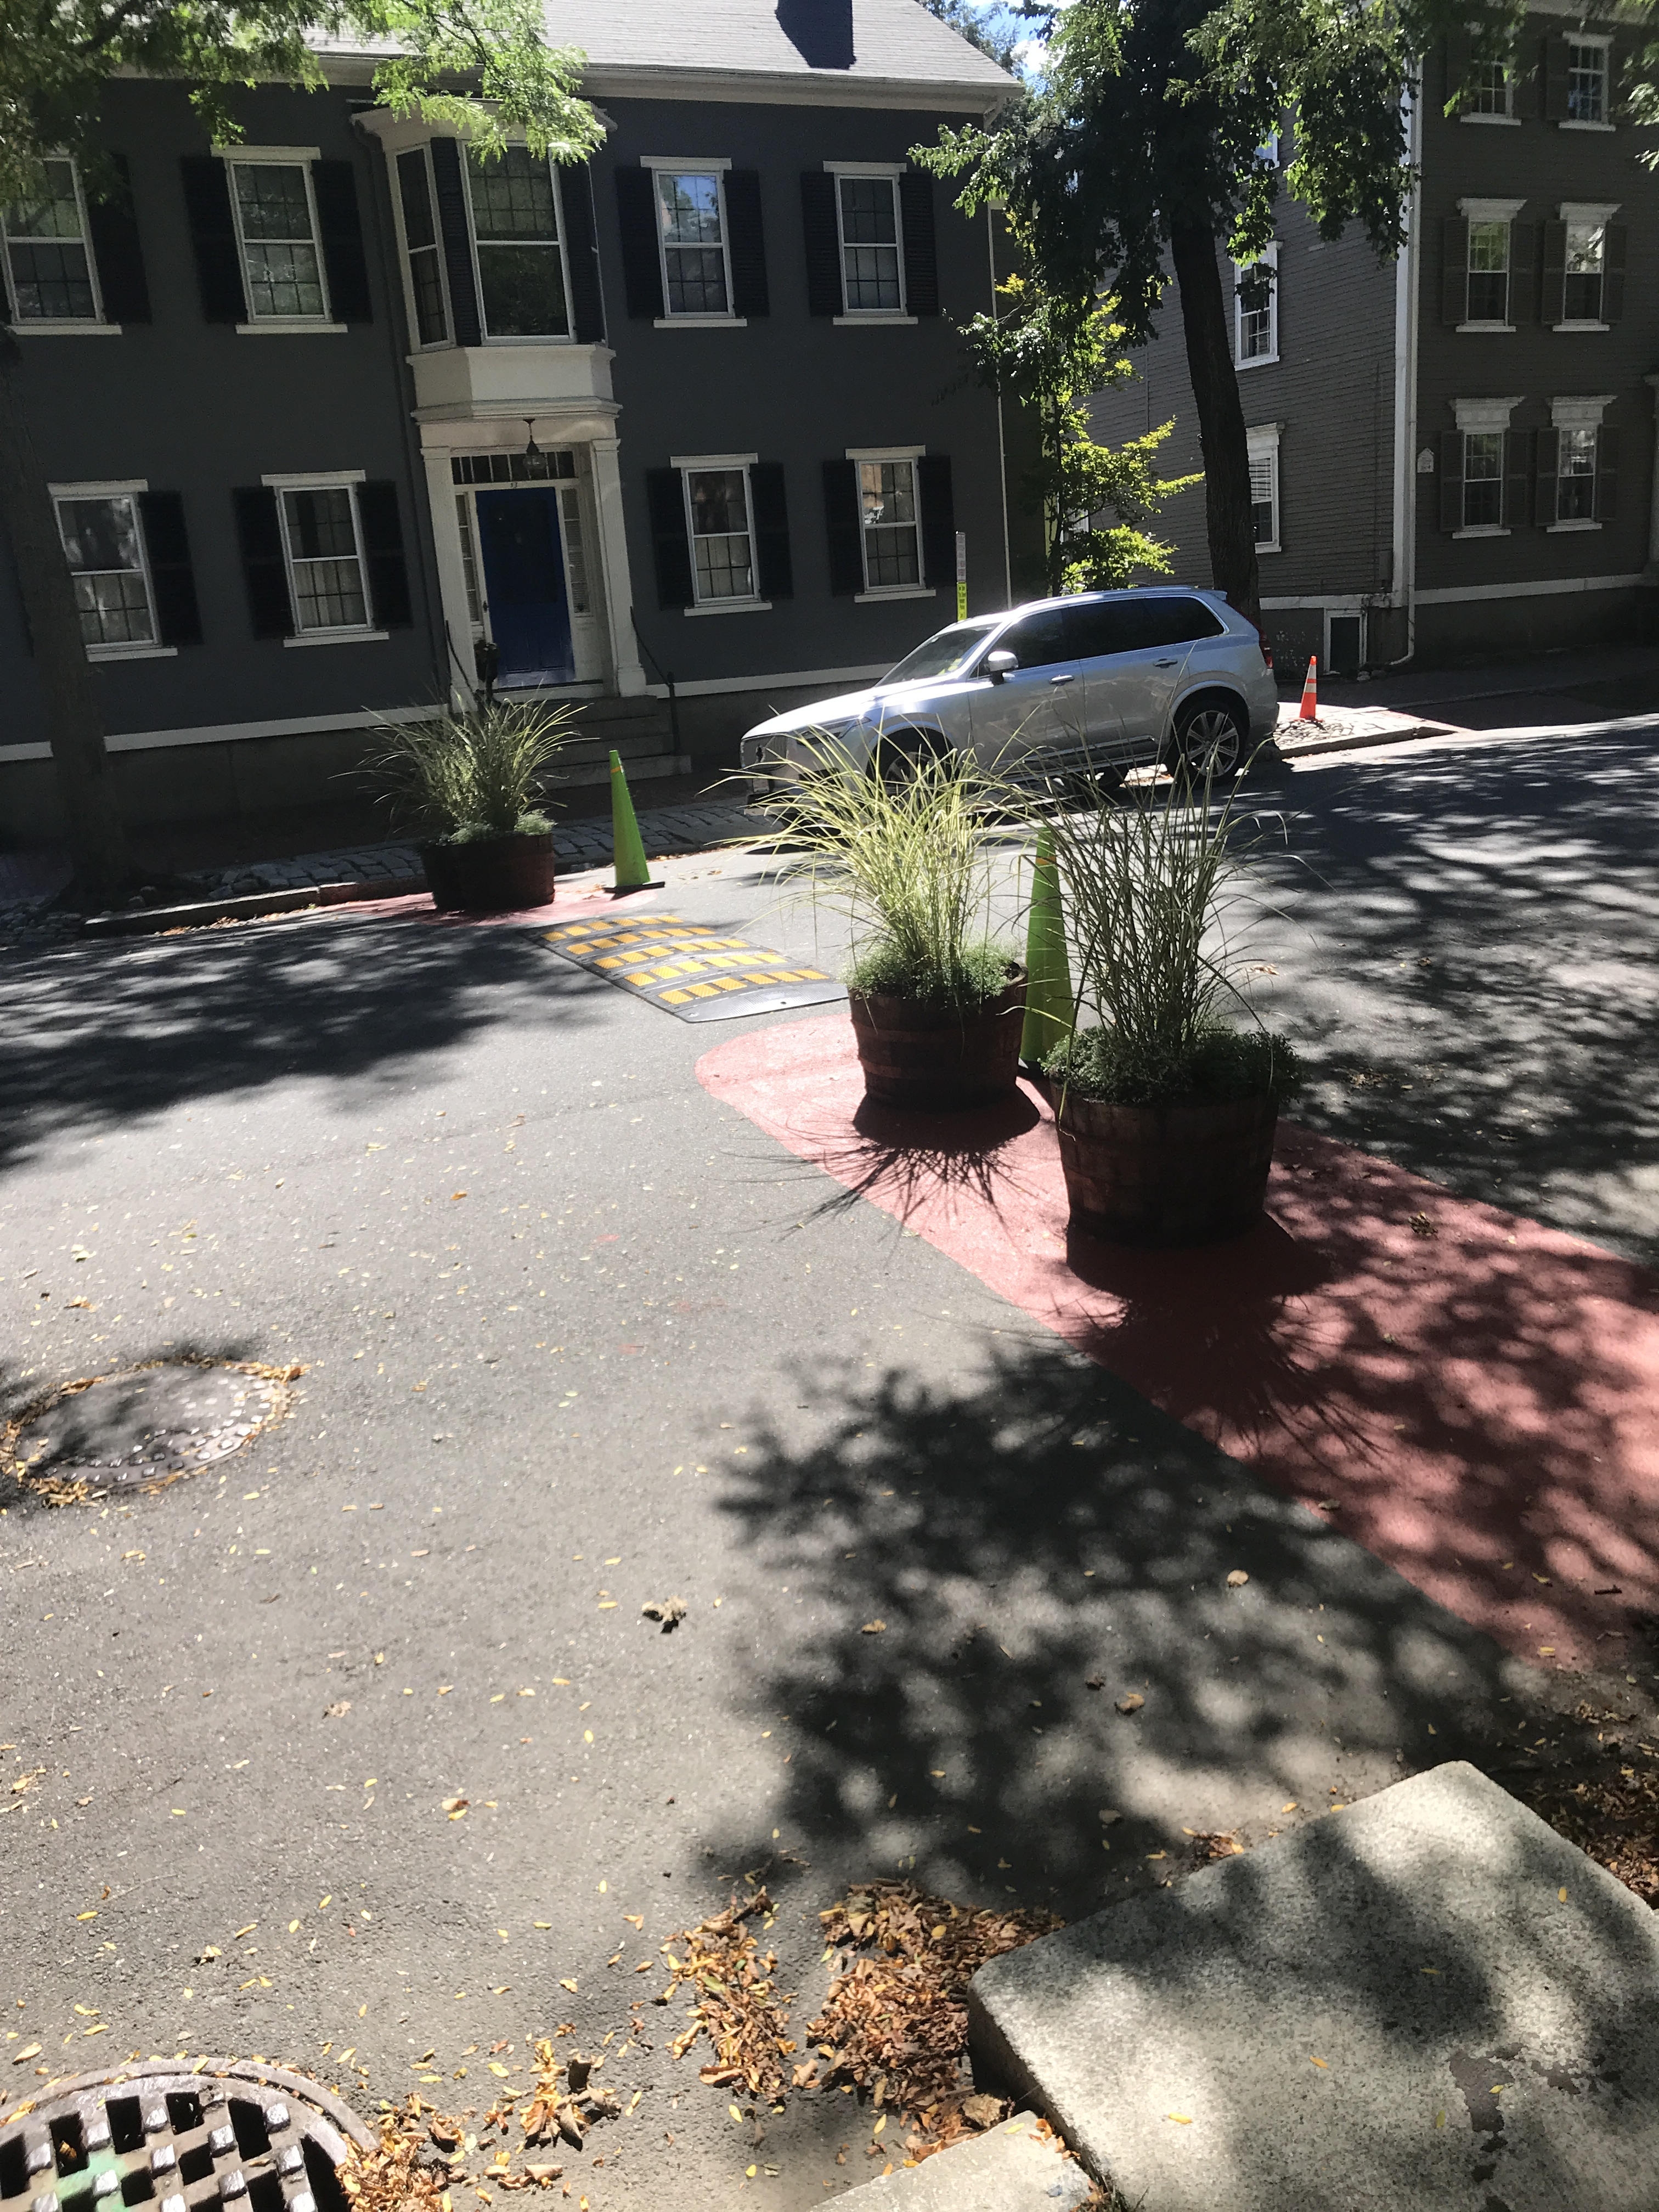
(1454, 269)
(846, 527)
(1552, 280)
(587, 297)
(666, 496)
(938, 521)
(1459, 60)
(1614, 245)
(116, 249)
(1524, 272)
(771, 518)
(264, 569)
(383, 552)
(1545, 491)
(213, 234)
(334, 184)
(457, 235)
(636, 211)
(920, 247)
(817, 214)
(1518, 447)
(1555, 80)
(746, 243)
(1606, 474)
(1451, 479)
(178, 619)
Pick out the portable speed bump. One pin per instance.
(691, 968)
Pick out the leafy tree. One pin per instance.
(990, 25)
(481, 66)
(1144, 152)
(1053, 354)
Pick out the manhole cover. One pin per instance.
(145, 1426)
(248, 2137)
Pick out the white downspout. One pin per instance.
(1406, 290)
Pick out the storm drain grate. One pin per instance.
(249, 2138)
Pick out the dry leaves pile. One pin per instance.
(737, 2006)
(896, 2023)
(1613, 1817)
(565, 2100)
(398, 2175)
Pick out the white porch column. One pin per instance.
(1652, 382)
(452, 575)
(613, 562)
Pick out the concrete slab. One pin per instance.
(1428, 2000)
(1010, 2170)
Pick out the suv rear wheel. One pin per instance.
(1210, 740)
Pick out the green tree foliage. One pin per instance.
(1052, 355)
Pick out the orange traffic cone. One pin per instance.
(1310, 692)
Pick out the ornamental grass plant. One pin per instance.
(459, 777)
(903, 850)
(1152, 885)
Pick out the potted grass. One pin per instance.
(1167, 1103)
(937, 1007)
(473, 784)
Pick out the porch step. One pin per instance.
(1012, 2169)
(1386, 2010)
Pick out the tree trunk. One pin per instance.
(1208, 328)
(74, 723)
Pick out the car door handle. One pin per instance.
(1164, 664)
(1062, 680)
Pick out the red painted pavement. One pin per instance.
(1476, 1406)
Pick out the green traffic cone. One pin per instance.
(1049, 971)
(626, 843)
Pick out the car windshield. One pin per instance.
(946, 655)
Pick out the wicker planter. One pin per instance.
(940, 1058)
(1192, 1174)
(490, 875)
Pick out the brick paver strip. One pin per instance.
(1478, 1406)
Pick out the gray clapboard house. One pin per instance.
(1454, 453)
(336, 417)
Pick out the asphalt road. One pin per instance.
(576, 1337)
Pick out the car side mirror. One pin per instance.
(999, 664)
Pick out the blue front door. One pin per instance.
(523, 582)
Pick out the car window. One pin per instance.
(1139, 623)
(945, 654)
(1038, 639)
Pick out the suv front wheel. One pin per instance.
(1210, 740)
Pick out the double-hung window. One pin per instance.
(1489, 272)
(1575, 498)
(103, 540)
(275, 217)
(416, 200)
(322, 549)
(522, 292)
(871, 252)
(721, 527)
(1587, 81)
(1483, 479)
(1255, 309)
(1264, 486)
(50, 271)
(1491, 92)
(697, 272)
(1586, 267)
(889, 522)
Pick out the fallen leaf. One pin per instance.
(984, 2112)
(1237, 1578)
(1109, 1816)
(571, 1986)
(338, 1711)
(873, 1628)
(1321, 2063)
(1132, 1704)
(670, 1611)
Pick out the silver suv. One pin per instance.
(1111, 679)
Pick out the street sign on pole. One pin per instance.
(962, 575)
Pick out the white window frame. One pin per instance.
(423, 149)
(1579, 412)
(867, 318)
(1603, 41)
(326, 480)
(1587, 215)
(1263, 442)
(677, 165)
(1505, 211)
(111, 489)
(539, 339)
(279, 157)
(1482, 418)
(878, 593)
(690, 465)
(55, 326)
(1505, 116)
(1269, 256)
